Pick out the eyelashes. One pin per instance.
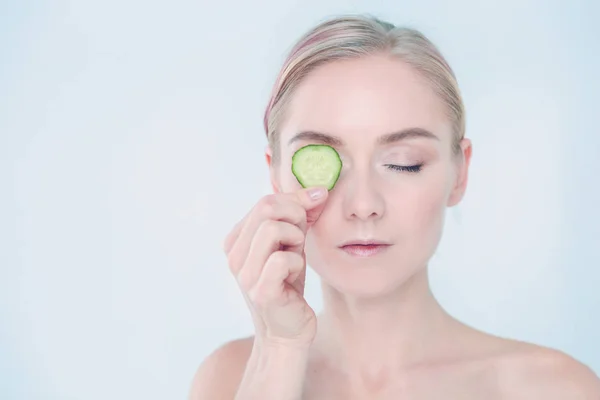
(404, 168)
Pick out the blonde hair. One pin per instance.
(354, 36)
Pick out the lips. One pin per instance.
(364, 248)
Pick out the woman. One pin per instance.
(387, 101)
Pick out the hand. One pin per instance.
(265, 252)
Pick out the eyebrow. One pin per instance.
(404, 134)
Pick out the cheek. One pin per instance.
(421, 208)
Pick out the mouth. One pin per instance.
(364, 248)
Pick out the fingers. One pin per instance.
(300, 208)
(309, 198)
(279, 269)
(265, 251)
(317, 204)
(312, 206)
(276, 207)
(269, 238)
(268, 209)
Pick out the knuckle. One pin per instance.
(302, 217)
(270, 228)
(252, 296)
(266, 206)
(234, 261)
(270, 199)
(285, 259)
(279, 258)
(295, 260)
(299, 234)
(257, 296)
(294, 235)
(296, 215)
(299, 211)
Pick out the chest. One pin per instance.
(450, 383)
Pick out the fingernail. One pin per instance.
(316, 193)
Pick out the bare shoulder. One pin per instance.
(221, 372)
(536, 372)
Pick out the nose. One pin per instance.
(363, 199)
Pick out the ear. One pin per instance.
(462, 174)
(272, 169)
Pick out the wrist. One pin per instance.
(277, 353)
(279, 345)
(301, 340)
(275, 371)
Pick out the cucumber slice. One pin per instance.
(317, 165)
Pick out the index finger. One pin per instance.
(311, 199)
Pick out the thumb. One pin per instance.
(313, 199)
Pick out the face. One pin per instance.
(398, 177)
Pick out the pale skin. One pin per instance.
(381, 334)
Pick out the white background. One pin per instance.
(131, 141)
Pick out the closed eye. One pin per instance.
(404, 168)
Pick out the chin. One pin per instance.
(362, 289)
(363, 277)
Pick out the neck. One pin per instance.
(366, 337)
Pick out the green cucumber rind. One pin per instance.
(297, 173)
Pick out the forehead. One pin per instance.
(375, 94)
